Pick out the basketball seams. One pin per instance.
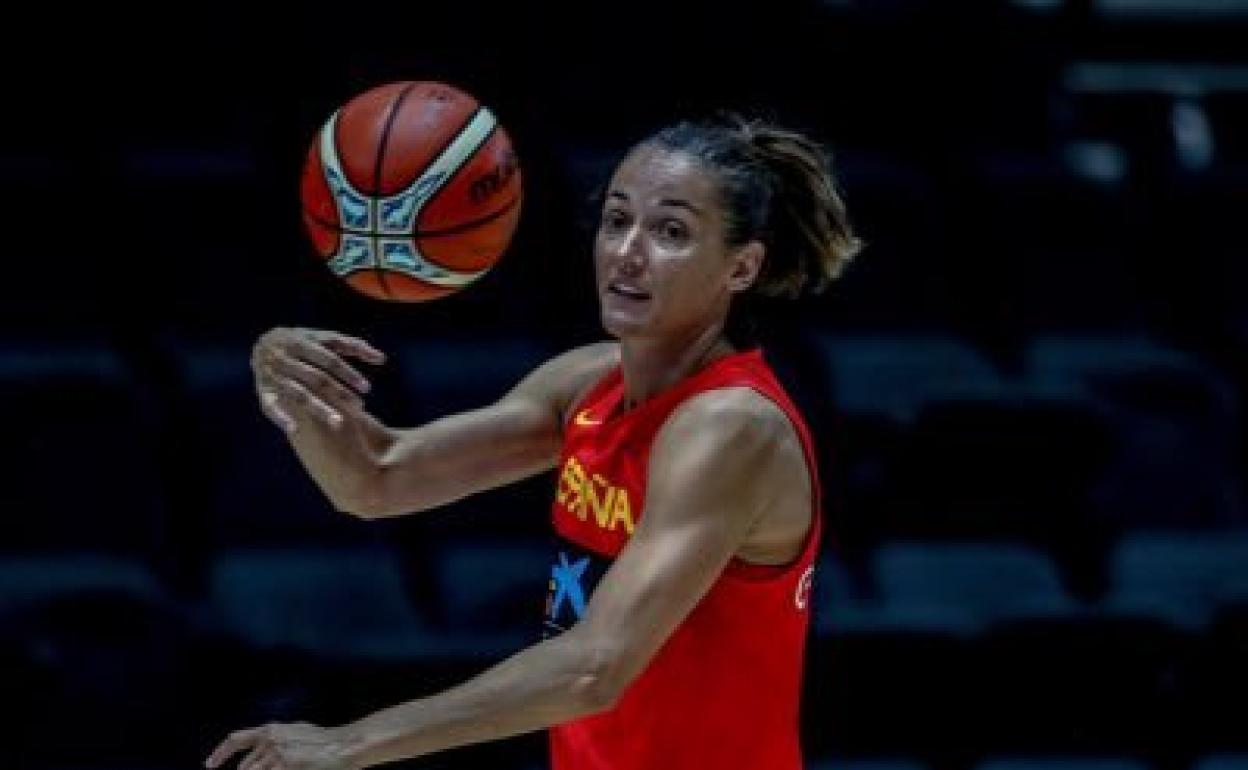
(376, 192)
(461, 167)
(470, 224)
(453, 156)
(447, 163)
(330, 163)
(437, 156)
(333, 172)
(441, 233)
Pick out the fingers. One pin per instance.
(322, 358)
(317, 349)
(315, 380)
(352, 346)
(270, 405)
(301, 369)
(235, 742)
(295, 393)
(263, 757)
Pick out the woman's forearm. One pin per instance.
(344, 460)
(552, 682)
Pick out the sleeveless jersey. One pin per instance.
(723, 691)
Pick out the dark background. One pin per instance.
(1027, 391)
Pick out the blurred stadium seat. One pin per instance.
(838, 601)
(965, 588)
(494, 589)
(1221, 762)
(1180, 578)
(336, 603)
(32, 581)
(1090, 363)
(895, 376)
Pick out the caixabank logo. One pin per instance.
(574, 574)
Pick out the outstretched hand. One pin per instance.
(297, 746)
(307, 370)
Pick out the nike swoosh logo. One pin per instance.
(583, 418)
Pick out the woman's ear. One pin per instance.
(747, 263)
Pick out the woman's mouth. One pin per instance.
(628, 291)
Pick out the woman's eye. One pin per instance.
(614, 220)
(673, 230)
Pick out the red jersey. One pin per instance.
(723, 690)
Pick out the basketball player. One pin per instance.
(687, 504)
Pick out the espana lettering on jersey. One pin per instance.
(582, 494)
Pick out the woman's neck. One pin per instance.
(652, 365)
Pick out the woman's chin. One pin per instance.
(624, 324)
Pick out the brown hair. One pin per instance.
(776, 187)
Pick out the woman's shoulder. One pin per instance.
(737, 407)
(572, 374)
(586, 365)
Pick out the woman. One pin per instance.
(688, 500)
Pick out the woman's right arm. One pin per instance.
(371, 470)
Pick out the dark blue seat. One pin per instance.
(338, 603)
(837, 602)
(1087, 363)
(896, 375)
(494, 587)
(1181, 578)
(34, 580)
(1226, 761)
(964, 588)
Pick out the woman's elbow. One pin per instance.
(593, 694)
(601, 678)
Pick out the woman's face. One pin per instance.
(662, 263)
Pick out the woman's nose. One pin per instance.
(629, 251)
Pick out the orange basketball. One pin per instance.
(411, 191)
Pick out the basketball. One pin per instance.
(411, 191)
